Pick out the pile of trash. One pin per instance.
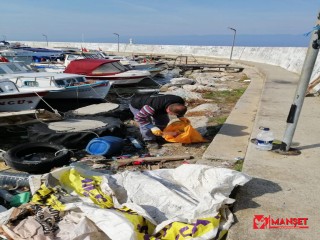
(190, 201)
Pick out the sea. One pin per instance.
(268, 40)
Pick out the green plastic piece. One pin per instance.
(20, 199)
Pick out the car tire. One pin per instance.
(76, 140)
(37, 158)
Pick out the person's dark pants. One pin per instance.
(161, 121)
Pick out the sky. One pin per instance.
(183, 22)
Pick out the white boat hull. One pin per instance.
(86, 91)
(53, 68)
(19, 102)
(98, 90)
(126, 78)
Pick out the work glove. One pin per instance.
(156, 131)
(185, 120)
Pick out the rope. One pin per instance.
(64, 149)
(54, 110)
(36, 112)
(96, 91)
(122, 97)
(313, 29)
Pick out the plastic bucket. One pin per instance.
(107, 145)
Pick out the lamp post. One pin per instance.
(4, 37)
(234, 38)
(46, 39)
(118, 39)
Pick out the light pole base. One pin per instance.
(281, 147)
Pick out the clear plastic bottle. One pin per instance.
(264, 139)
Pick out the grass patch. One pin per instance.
(238, 166)
(224, 96)
(218, 120)
(221, 120)
(226, 100)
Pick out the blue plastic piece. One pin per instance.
(105, 146)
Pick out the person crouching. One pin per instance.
(151, 113)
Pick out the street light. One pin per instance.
(234, 38)
(4, 37)
(46, 38)
(118, 39)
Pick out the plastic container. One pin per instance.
(264, 139)
(105, 146)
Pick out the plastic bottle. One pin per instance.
(136, 143)
(264, 139)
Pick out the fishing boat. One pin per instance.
(29, 54)
(50, 66)
(61, 85)
(106, 69)
(13, 100)
(14, 67)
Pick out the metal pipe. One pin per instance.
(304, 80)
(234, 39)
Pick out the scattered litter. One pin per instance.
(136, 143)
(130, 205)
(15, 200)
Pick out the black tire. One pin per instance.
(37, 157)
(76, 140)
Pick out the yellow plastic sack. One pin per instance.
(70, 180)
(73, 181)
(182, 132)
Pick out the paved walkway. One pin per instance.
(282, 186)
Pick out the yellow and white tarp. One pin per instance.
(189, 202)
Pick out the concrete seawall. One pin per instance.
(289, 58)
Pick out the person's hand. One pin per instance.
(185, 120)
(156, 131)
(172, 134)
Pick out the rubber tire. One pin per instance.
(76, 140)
(16, 157)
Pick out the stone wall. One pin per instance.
(289, 58)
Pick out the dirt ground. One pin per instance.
(194, 150)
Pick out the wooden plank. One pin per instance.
(123, 162)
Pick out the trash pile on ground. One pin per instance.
(189, 201)
(92, 173)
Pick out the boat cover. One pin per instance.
(86, 66)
